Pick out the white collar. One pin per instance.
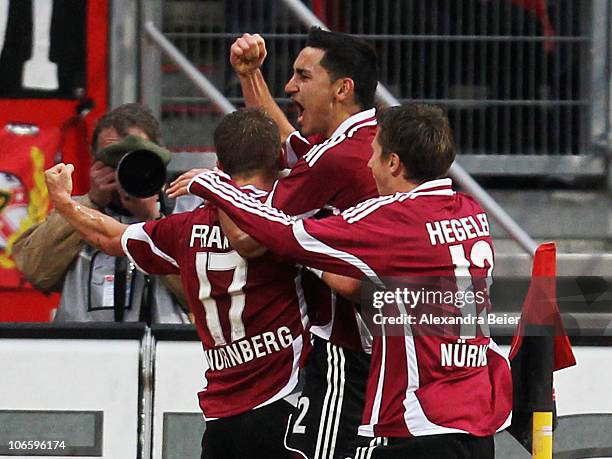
(437, 183)
(352, 121)
(256, 191)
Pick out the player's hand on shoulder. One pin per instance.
(59, 180)
(179, 186)
(248, 53)
(103, 182)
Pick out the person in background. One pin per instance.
(93, 285)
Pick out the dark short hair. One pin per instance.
(247, 141)
(348, 56)
(422, 138)
(128, 116)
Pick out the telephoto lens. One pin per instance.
(141, 173)
(140, 165)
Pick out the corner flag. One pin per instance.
(539, 347)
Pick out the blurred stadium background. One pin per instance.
(527, 85)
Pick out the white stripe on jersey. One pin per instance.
(427, 193)
(310, 153)
(353, 120)
(315, 153)
(331, 388)
(268, 200)
(351, 133)
(299, 291)
(337, 404)
(313, 156)
(255, 192)
(445, 182)
(418, 423)
(137, 232)
(365, 452)
(495, 348)
(311, 244)
(359, 207)
(365, 208)
(287, 435)
(238, 199)
(367, 430)
(325, 331)
(291, 155)
(298, 347)
(415, 419)
(383, 201)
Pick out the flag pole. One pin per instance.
(542, 446)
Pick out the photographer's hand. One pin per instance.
(144, 209)
(179, 186)
(103, 182)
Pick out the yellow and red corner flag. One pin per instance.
(540, 346)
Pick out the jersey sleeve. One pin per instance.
(326, 244)
(296, 146)
(153, 246)
(307, 187)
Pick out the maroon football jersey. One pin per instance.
(247, 312)
(329, 177)
(418, 385)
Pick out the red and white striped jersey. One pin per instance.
(418, 385)
(249, 314)
(329, 176)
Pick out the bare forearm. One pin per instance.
(244, 244)
(256, 94)
(348, 287)
(96, 228)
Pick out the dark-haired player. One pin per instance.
(333, 86)
(248, 313)
(421, 402)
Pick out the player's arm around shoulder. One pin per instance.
(245, 245)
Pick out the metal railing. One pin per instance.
(308, 18)
(456, 171)
(521, 80)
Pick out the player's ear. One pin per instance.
(219, 166)
(395, 164)
(345, 88)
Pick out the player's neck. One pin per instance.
(263, 182)
(341, 113)
(405, 186)
(400, 185)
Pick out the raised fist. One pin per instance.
(248, 53)
(59, 180)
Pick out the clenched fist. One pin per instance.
(248, 53)
(59, 180)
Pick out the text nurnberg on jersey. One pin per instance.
(247, 349)
(457, 230)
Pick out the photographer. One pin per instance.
(95, 286)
